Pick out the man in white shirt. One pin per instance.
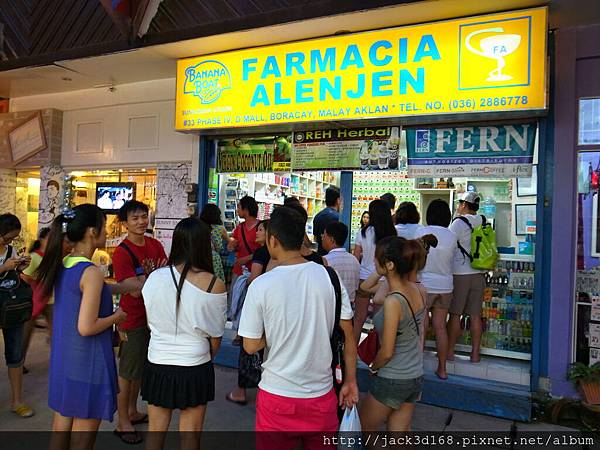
(345, 264)
(290, 311)
(469, 283)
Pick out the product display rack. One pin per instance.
(369, 186)
(507, 310)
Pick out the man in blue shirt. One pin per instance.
(333, 201)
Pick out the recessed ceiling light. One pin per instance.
(66, 79)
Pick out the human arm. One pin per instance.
(371, 284)
(88, 322)
(224, 234)
(255, 271)
(234, 240)
(132, 286)
(349, 391)
(392, 314)
(383, 290)
(215, 344)
(252, 346)
(243, 260)
(357, 251)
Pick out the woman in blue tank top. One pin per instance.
(83, 377)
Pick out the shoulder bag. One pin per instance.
(16, 298)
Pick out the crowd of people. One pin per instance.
(292, 308)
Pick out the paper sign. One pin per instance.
(594, 335)
(594, 356)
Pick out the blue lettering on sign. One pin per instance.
(352, 58)
(271, 68)
(427, 49)
(379, 83)
(375, 60)
(207, 80)
(334, 90)
(320, 61)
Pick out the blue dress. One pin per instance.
(83, 374)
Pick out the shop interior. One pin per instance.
(510, 204)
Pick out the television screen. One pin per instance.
(111, 196)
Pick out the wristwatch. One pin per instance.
(373, 371)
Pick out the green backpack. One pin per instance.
(484, 251)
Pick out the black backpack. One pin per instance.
(16, 298)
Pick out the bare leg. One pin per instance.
(476, 331)
(401, 419)
(60, 438)
(124, 423)
(83, 436)
(373, 414)
(454, 332)
(15, 376)
(441, 339)
(160, 419)
(425, 328)
(27, 333)
(191, 422)
(134, 392)
(361, 309)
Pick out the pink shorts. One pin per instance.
(281, 422)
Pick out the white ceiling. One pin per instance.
(159, 62)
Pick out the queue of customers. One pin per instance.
(173, 311)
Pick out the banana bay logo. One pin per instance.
(206, 80)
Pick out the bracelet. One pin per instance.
(373, 371)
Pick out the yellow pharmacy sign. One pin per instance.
(480, 64)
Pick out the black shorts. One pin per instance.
(178, 387)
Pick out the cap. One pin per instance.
(470, 197)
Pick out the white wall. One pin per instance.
(132, 126)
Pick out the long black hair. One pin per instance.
(381, 220)
(37, 244)
(191, 246)
(84, 216)
(211, 214)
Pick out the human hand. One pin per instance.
(348, 395)
(24, 262)
(11, 264)
(119, 316)
(122, 335)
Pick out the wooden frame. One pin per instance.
(27, 139)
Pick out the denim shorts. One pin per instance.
(393, 392)
(13, 345)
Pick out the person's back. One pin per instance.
(298, 303)
(407, 361)
(181, 339)
(333, 201)
(462, 264)
(345, 264)
(438, 271)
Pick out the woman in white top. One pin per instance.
(380, 226)
(407, 220)
(185, 304)
(437, 277)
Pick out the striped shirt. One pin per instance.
(347, 267)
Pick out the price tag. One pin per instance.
(594, 339)
(594, 356)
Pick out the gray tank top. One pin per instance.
(407, 362)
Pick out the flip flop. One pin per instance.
(143, 419)
(23, 411)
(440, 377)
(137, 439)
(237, 402)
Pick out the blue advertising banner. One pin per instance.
(502, 151)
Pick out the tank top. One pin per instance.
(407, 361)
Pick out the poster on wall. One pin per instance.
(171, 200)
(52, 180)
(255, 155)
(501, 151)
(369, 148)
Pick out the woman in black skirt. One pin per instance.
(185, 303)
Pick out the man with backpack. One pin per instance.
(469, 282)
(297, 311)
(133, 260)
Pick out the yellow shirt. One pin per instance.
(36, 260)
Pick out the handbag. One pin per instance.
(16, 298)
(368, 348)
(250, 368)
(337, 336)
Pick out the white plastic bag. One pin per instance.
(350, 435)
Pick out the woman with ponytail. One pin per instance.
(83, 375)
(398, 365)
(185, 303)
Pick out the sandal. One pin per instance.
(134, 437)
(23, 411)
(237, 402)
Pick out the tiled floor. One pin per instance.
(490, 368)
